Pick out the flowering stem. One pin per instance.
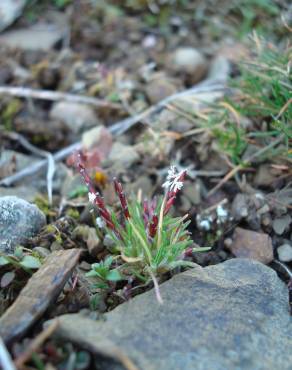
(123, 200)
(160, 222)
(95, 197)
(143, 243)
(153, 226)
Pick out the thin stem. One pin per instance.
(143, 243)
(156, 287)
(160, 222)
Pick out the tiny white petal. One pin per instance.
(91, 197)
(100, 222)
(221, 212)
(173, 182)
(205, 225)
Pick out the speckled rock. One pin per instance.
(234, 315)
(19, 220)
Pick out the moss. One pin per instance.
(71, 212)
(9, 113)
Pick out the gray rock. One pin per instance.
(190, 61)
(232, 316)
(123, 155)
(20, 160)
(33, 184)
(93, 242)
(181, 125)
(281, 224)
(77, 117)
(285, 252)
(264, 175)
(19, 220)
(251, 244)
(159, 89)
(37, 37)
(71, 183)
(143, 183)
(97, 137)
(187, 59)
(9, 11)
(192, 190)
(27, 193)
(239, 208)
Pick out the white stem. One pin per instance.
(156, 287)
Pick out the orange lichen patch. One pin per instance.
(100, 178)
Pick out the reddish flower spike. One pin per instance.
(121, 195)
(153, 226)
(168, 205)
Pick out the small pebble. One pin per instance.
(263, 209)
(228, 242)
(285, 252)
(281, 224)
(266, 220)
(84, 266)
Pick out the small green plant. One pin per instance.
(13, 266)
(26, 261)
(262, 99)
(255, 14)
(103, 274)
(265, 87)
(147, 241)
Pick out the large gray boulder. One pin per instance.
(9, 11)
(19, 220)
(232, 316)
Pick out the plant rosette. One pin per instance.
(147, 240)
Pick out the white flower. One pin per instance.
(205, 225)
(173, 182)
(91, 197)
(100, 222)
(222, 214)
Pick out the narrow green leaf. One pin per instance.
(108, 261)
(92, 273)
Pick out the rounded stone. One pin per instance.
(285, 252)
(19, 220)
(189, 61)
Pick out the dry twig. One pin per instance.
(30, 170)
(42, 153)
(25, 92)
(117, 129)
